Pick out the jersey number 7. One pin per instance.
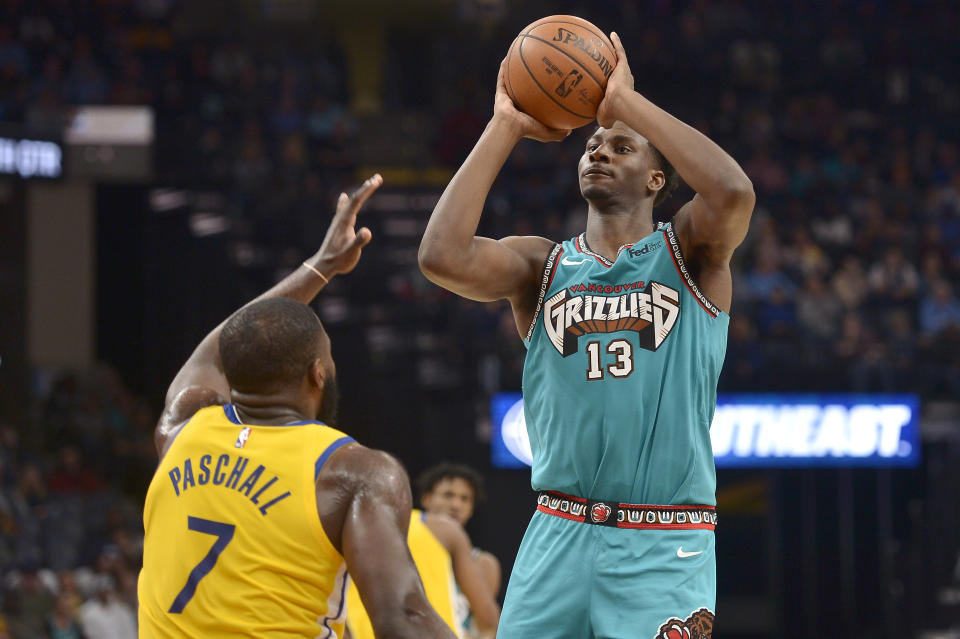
(224, 533)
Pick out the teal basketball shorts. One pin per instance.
(594, 569)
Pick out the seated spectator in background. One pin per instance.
(71, 476)
(766, 277)
(67, 589)
(33, 601)
(818, 311)
(893, 279)
(804, 257)
(776, 315)
(744, 359)
(864, 356)
(939, 310)
(105, 616)
(849, 283)
(62, 622)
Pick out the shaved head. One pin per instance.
(271, 344)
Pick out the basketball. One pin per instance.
(557, 70)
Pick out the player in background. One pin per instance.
(625, 327)
(454, 490)
(258, 507)
(444, 557)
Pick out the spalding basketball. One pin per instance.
(557, 70)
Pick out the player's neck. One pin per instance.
(611, 227)
(269, 409)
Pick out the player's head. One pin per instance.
(451, 489)
(277, 347)
(620, 164)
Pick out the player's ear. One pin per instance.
(656, 181)
(317, 374)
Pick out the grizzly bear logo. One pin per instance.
(699, 625)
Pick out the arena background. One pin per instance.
(128, 233)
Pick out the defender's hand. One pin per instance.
(619, 84)
(524, 125)
(342, 245)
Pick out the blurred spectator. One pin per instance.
(939, 310)
(818, 311)
(893, 279)
(849, 284)
(62, 622)
(34, 602)
(766, 278)
(71, 476)
(104, 615)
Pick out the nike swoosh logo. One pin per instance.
(568, 262)
(682, 554)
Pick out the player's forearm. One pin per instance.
(448, 240)
(708, 169)
(487, 618)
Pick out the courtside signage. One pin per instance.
(816, 430)
(770, 431)
(509, 443)
(31, 158)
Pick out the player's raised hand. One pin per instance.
(343, 243)
(619, 84)
(526, 126)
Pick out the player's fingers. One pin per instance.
(540, 131)
(618, 47)
(555, 135)
(363, 193)
(363, 238)
(342, 203)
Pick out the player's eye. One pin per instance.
(623, 149)
(592, 147)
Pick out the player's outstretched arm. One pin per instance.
(363, 497)
(201, 381)
(467, 572)
(451, 254)
(715, 222)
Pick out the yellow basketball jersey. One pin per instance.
(436, 572)
(233, 544)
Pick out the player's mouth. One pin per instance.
(596, 171)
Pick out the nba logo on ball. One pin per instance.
(600, 513)
(557, 70)
(243, 437)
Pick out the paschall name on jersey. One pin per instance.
(229, 472)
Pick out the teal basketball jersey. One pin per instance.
(620, 378)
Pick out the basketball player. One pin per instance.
(258, 507)
(453, 490)
(625, 327)
(443, 554)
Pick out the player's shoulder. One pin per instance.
(357, 468)
(533, 247)
(180, 409)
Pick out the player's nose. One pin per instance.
(599, 153)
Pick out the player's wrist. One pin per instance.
(320, 267)
(616, 99)
(506, 125)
